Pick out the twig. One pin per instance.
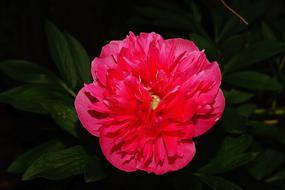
(234, 12)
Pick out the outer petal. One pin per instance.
(186, 150)
(112, 49)
(82, 102)
(127, 164)
(201, 124)
(212, 75)
(181, 46)
(99, 68)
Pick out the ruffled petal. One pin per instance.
(82, 102)
(174, 163)
(181, 46)
(205, 122)
(126, 163)
(112, 48)
(129, 77)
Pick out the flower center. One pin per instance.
(154, 101)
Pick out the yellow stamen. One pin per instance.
(154, 102)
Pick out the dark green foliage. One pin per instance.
(230, 155)
(21, 164)
(218, 183)
(243, 151)
(59, 164)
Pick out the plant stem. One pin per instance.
(276, 111)
(67, 89)
(234, 12)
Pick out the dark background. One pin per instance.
(94, 23)
(22, 36)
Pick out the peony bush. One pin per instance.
(197, 106)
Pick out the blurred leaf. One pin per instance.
(232, 45)
(253, 81)
(235, 25)
(234, 145)
(203, 43)
(169, 15)
(277, 176)
(236, 97)
(61, 55)
(186, 182)
(230, 155)
(65, 116)
(232, 121)
(25, 71)
(44, 99)
(58, 165)
(80, 59)
(26, 159)
(228, 163)
(160, 17)
(254, 54)
(267, 32)
(266, 163)
(218, 183)
(35, 98)
(196, 12)
(94, 170)
(264, 130)
(246, 110)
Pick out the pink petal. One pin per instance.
(171, 164)
(99, 68)
(181, 46)
(127, 164)
(82, 103)
(203, 124)
(112, 48)
(213, 77)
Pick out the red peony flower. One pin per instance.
(149, 99)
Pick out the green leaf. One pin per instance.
(236, 97)
(80, 59)
(252, 80)
(232, 121)
(94, 170)
(26, 159)
(232, 45)
(61, 55)
(234, 145)
(228, 163)
(261, 129)
(65, 116)
(25, 71)
(218, 183)
(254, 54)
(160, 17)
(203, 43)
(35, 97)
(235, 25)
(276, 177)
(186, 182)
(246, 110)
(44, 99)
(170, 15)
(267, 32)
(58, 165)
(230, 155)
(266, 163)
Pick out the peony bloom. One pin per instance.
(149, 99)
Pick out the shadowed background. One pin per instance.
(94, 23)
